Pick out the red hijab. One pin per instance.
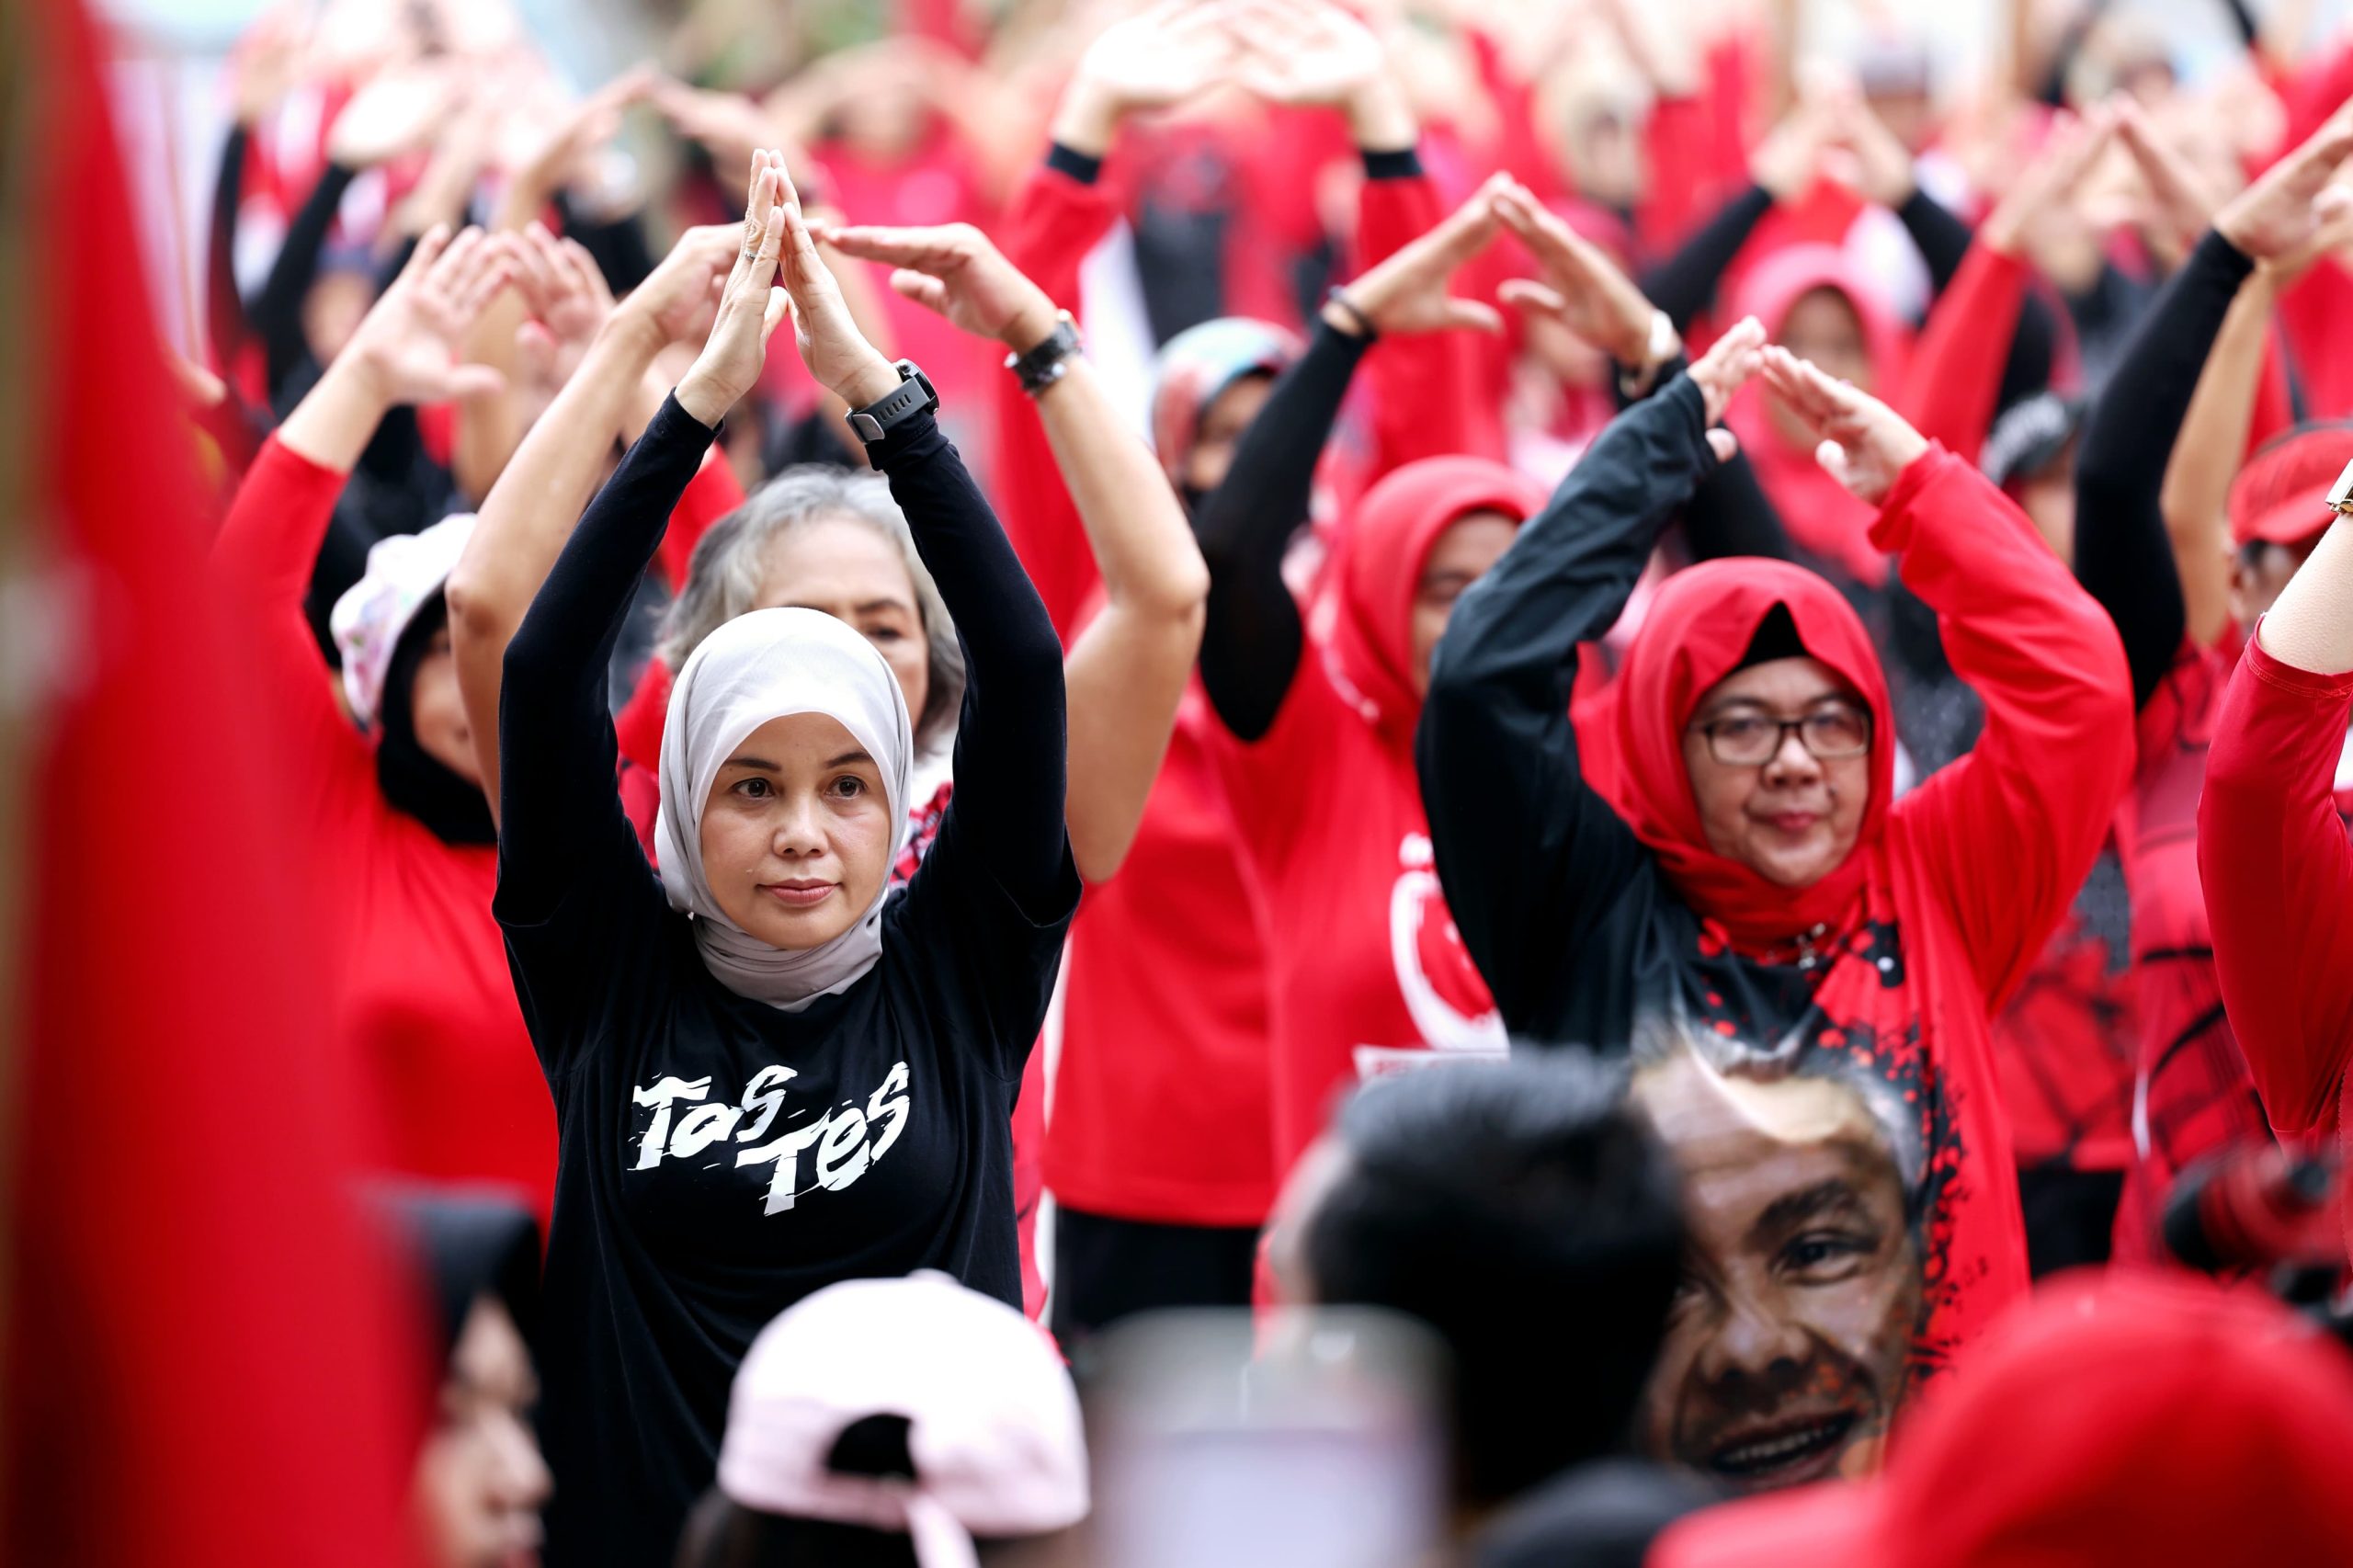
(1364, 620)
(1820, 514)
(1697, 631)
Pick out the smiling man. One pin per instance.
(1787, 1350)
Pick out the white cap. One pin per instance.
(404, 570)
(992, 1427)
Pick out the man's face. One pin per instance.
(1785, 1357)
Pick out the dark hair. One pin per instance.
(1527, 1214)
(724, 1533)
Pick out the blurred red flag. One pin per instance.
(204, 1354)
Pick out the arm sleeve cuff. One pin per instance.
(1083, 168)
(1403, 163)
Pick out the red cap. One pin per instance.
(2134, 1419)
(2281, 496)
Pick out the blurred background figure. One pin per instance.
(480, 1480)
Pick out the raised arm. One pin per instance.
(1782, 166)
(1954, 384)
(2216, 430)
(1531, 857)
(2124, 551)
(1253, 638)
(2008, 831)
(561, 822)
(1011, 738)
(2271, 853)
(1128, 669)
(530, 512)
(403, 351)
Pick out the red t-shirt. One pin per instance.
(1366, 971)
(2194, 1094)
(1161, 1092)
(423, 1001)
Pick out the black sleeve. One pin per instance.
(1253, 636)
(1685, 283)
(1943, 241)
(224, 313)
(560, 819)
(1730, 513)
(277, 312)
(2123, 554)
(2243, 23)
(1530, 856)
(1012, 743)
(616, 244)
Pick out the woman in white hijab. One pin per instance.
(770, 1074)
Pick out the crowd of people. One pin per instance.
(1689, 731)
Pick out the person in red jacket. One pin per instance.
(2272, 851)
(398, 833)
(1802, 964)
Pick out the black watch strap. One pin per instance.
(1047, 363)
(914, 396)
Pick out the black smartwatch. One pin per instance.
(1047, 363)
(885, 413)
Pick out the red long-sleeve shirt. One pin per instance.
(423, 1005)
(2278, 876)
(1955, 374)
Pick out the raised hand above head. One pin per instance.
(559, 153)
(1785, 161)
(1158, 58)
(954, 269)
(2049, 180)
(2180, 203)
(1582, 288)
(1865, 445)
(569, 301)
(407, 347)
(728, 125)
(1723, 371)
(2296, 197)
(1407, 292)
(1881, 164)
(1313, 53)
(398, 111)
(679, 299)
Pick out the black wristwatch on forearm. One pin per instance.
(914, 396)
(1047, 363)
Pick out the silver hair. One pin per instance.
(723, 576)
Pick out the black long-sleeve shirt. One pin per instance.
(2123, 553)
(721, 1158)
(1253, 634)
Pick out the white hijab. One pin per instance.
(770, 665)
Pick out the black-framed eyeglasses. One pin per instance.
(1831, 732)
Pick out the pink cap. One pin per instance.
(993, 1421)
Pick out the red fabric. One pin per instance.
(2195, 1094)
(1955, 376)
(2279, 874)
(205, 1363)
(709, 496)
(1361, 949)
(1161, 1094)
(1975, 868)
(2130, 1419)
(1818, 512)
(2062, 1052)
(2316, 319)
(424, 1006)
(1050, 226)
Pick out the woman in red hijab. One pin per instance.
(1314, 743)
(1755, 892)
